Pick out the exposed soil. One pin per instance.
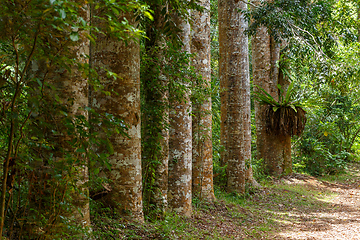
(338, 218)
(296, 207)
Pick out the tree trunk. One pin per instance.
(237, 83)
(274, 149)
(223, 24)
(62, 174)
(124, 103)
(180, 142)
(235, 98)
(202, 169)
(155, 120)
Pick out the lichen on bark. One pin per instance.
(123, 59)
(180, 141)
(202, 170)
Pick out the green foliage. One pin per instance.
(43, 189)
(265, 98)
(301, 21)
(327, 145)
(323, 54)
(330, 87)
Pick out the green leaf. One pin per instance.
(264, 97)
(96, 171)
(110, 147)
(74, 36)
(62, 13)
(289, 92)
(148, 15)
(293, 107)
(80, 150)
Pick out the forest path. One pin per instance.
(296, 207)
(339, 215)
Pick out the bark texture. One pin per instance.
(223, 24)
(274, 149)
(124, 103)
(202, 169)
(155, 118)
(180, 142)
(235, 95)
(64, 102)
(238, 85)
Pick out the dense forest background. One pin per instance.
(134, 110)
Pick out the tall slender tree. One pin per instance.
(111, 56)
(223, 24)
(202, 169)
(180, 141)
(235, 99)
(237, 81)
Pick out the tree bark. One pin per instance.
(180, 141)
(235, 98)
(238, 84)
(61, 102)
(124, 103)
(202, 169)
(274, 149)
(223, 24)
(62, 174)
(156, 119)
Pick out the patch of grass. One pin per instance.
(339, 178)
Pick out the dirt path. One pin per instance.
(297, 207)
(339, 218)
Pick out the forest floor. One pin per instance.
(295, 207)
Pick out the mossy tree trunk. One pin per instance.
(238, 87)
(235, 95)
(156, 117)
(223, 24)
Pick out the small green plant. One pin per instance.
(283, 117)
(265, 98)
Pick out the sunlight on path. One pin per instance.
(339, 221)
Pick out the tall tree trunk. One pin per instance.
(124, 102)
(274, 149)
(237, 79)
(202, 169)
(62, 175)
(223, 41)
(235, 98)
(156, 119)
(180, 142)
